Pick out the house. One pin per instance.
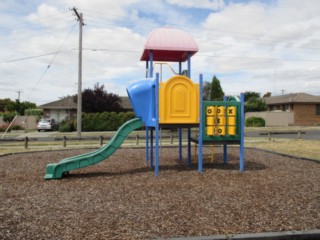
(61, 109)
(126, 104)
(67, 108)
(305, 108)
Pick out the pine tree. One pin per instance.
(216, 92)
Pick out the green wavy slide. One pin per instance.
(57, 170)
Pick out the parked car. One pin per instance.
(47, 124)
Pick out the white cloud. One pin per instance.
(205, 4)
(243, 43)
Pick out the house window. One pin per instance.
(317, 109)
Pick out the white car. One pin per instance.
(47, 124)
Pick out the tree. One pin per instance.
(185, 73)
(251, 95)
(216, 92)
(99, 100)
(4, 103)
(19, 107)
(253, 102)
(206, 91)
(268, 94)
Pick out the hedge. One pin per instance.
(105, 121)
(255, 122)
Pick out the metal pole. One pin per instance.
(79, 100)
(242, 133)
(200, 165)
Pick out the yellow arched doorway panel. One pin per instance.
(179, 101)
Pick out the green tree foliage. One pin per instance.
(4, 103)
(19, 107)
(185, 73)
(8, 116)
(253, 102)
(33, 112)
(248, 95)
(99, 100)
(206, 91)
(268, 94)
(216, 92)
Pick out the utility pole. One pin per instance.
(79, 100)
(19, 92)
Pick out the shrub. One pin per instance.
(34, 112)
(66, 126)
(3, 128)
(255, 122)
(106, 121)
(16, 127)
(8, 116)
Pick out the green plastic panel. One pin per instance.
(226, 137)
(56, 170)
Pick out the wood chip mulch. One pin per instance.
(120, 198)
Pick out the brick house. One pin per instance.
(305, 107)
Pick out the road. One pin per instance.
(305, 134)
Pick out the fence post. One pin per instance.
(299, 134)
(269, 135)
(137, 139)
(101, 140)
(26, 141)
(171, 138)
(64, 141)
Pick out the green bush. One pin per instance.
(8, 116)
(34, 112)
(105, 121)
(3, 128)
(16, 127)
(66, 126)
(255, 122)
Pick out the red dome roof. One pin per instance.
(170, 45)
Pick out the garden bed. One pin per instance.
(121, 198)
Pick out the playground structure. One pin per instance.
(175, 103)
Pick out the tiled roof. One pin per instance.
(293, 98)
(125, 103)
(69, 103)
(65, 103)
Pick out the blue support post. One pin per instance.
(147, 69)
(180, 130)
(200, 127)
(151, 64)
(147, 144)
(242, 133)
(189, 65)
(189, 147)
(157, 124)
(180, 144)
(225, 146)
(151, 148)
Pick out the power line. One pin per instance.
(256, 58)
(51, 61)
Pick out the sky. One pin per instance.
(250, 45)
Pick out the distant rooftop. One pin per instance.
(169, 45)
(69, 103)
(293, 98)
(64, 103)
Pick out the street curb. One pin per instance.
(287, 235)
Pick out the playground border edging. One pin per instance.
(287, 235)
